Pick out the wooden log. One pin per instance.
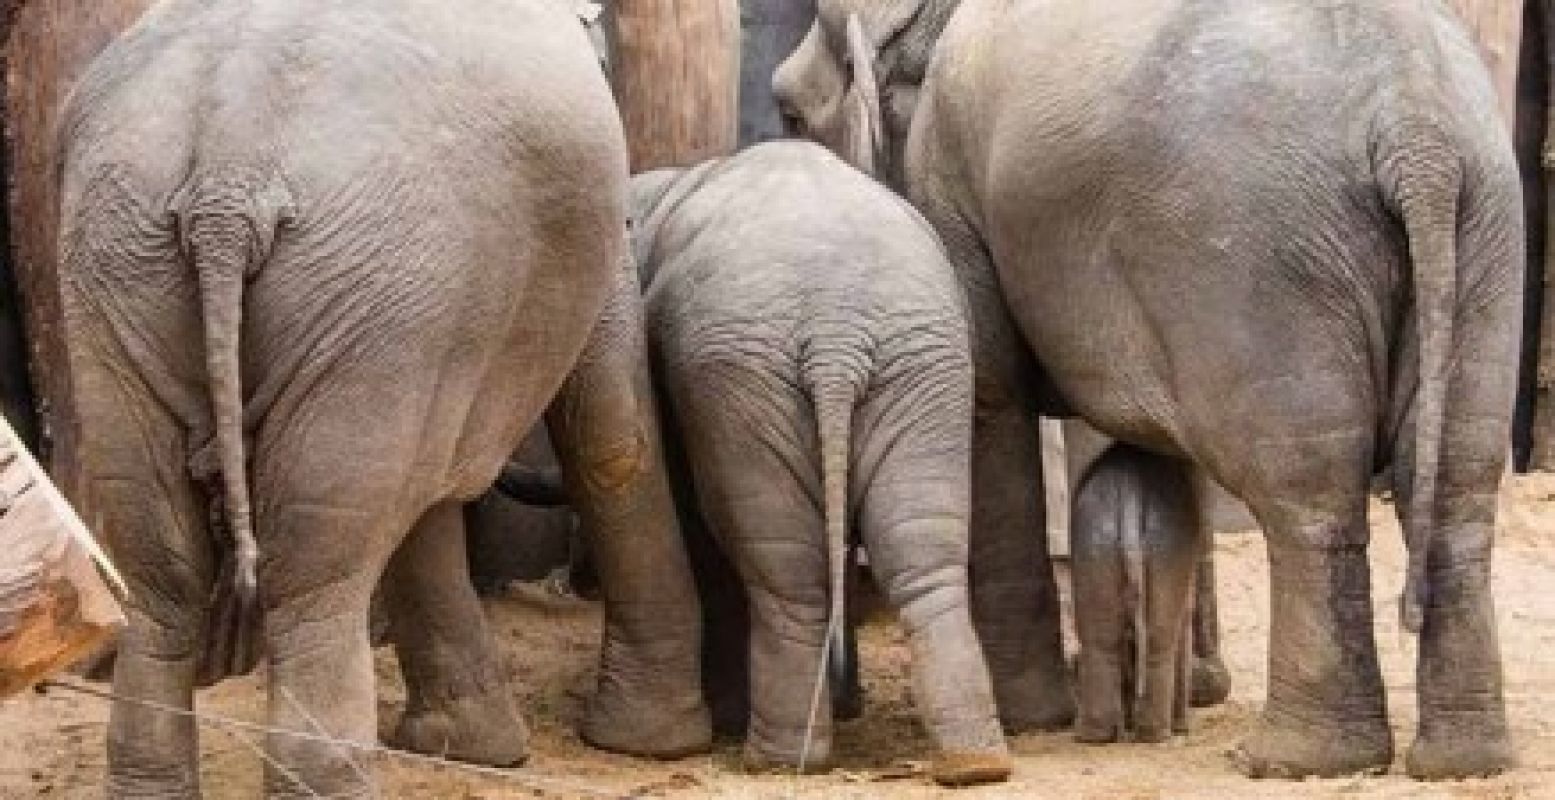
(770, 30)
(50, 43)
(54, 606)
(1543, 455)
(16, 397)
(1497, 27)
(675, 65)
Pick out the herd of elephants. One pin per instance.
(325, 264)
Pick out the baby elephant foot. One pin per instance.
(1277, 752)
(468, 729)
(1448, 758)
(971, 769)
(1098, 729)
(1210, 684)
(665, 725)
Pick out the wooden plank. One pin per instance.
(770, 30)
(50, 42)
(1497, 27)
(675, 65)
(54, 606)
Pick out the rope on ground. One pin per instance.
(528, 782)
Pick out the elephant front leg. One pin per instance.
(603, 423)
(1014, 596)
(459, 702)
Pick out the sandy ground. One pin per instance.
(51, 745)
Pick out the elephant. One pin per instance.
(1275, 239)
(1134, 549)
(809, 341)
(322, 266)
(524, 527)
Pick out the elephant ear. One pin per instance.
(865, 136)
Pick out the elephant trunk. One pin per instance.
(226, 232)
(833, 394)
(1426, 182)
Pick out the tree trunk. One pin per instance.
(771, 30)
(50, 42)
(1497, 27)
(675, 65)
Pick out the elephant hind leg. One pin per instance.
(459, 702)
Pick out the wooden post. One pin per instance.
(1543, 455)
(771, 30)
(50, 43)
(16, 397)
(675, 65)
(1497, 26)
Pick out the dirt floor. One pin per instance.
(51, 745)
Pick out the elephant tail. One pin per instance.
(833, 392)
(1426, 179)
(1132, 519)
(227, 223)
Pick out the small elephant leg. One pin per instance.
(1169, 535)
(606, 432)
(1211, 680)
(1181, 697)
(1102, 616)
(459, 702)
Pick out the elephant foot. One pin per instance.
(666, 725)
(758, 759)
(1033, 707)
(468, 730)
(1211, 682)
(971, 769)
(124, 788)
(1450, 757)
(1276, 752)
(1092, 730)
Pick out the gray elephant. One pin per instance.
(1134, 548)
(1278, 239)
(811, 343)
(323, 266)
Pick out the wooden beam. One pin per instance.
(50, 43)
(54, 606)
(675, 65)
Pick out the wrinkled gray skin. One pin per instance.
(811, 343)
(1134, 547)
(378, 240)
(1278, 238)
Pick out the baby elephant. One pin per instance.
(1134, 547)
(811, 348)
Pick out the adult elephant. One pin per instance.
(1275, 238)
(323, 266)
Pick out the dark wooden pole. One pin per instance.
(675, 65)
(771, 29)
(50, 42)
